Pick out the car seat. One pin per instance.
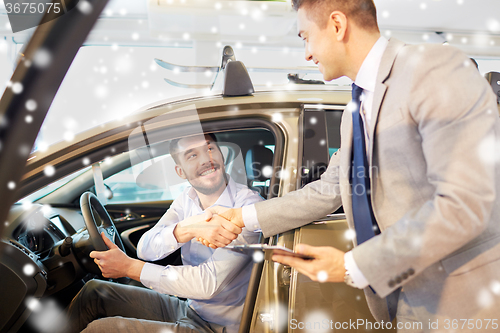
(258, 165)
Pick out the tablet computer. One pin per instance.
(269, 250)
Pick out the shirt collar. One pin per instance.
(367, 75)
(226, 199)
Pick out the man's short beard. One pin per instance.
(212, 189)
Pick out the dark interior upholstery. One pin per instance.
(258, 165)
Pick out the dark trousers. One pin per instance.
(111, 307)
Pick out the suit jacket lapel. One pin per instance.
(384, 72)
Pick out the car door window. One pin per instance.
(125, 188)
(248, 157)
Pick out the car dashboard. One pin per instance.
(33, 263)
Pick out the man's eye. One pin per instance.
(191, 156)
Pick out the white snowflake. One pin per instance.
(11, 185)
(85, 7)
(267, 171)
(48, 318)
(350, 234)
(49, 171)
(495, 287)
(42, 58)
(33, 304)
(28, 269)
(46, 209)
(484, 298)
(27, 205)
(31, 105)
(68, 136)
(172, 275)
(322, 276)
(314, 322)
(277, 117)
(258, 256)
(17, 87)
(489, 150)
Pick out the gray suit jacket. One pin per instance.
(434, 180)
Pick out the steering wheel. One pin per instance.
(97, 220)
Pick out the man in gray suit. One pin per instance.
(420, 136)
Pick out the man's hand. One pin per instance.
(116, 264)
(233, 215)
(327, 265)
(217, 231)
(223, 216)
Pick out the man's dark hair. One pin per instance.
(174, 146)
(363, 12)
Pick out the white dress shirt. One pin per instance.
(366, 79)
(215, 281)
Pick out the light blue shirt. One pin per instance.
(214, 281)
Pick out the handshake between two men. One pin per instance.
(227, 223)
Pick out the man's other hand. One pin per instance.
(327, 265)
(217, 231)
(114, 264)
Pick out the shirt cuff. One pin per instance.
(357, 276)
(249, 214)
(171, 243)
(151, 274)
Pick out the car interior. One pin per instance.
(47, 235)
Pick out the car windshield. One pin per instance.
(51, 187)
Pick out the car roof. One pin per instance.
(299, 94)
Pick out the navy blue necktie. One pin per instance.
(364, 220)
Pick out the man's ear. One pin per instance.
(180, 172)
(338, 22)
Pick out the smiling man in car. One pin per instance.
(213, 281)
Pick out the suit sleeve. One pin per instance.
(456, 115)
(298, 208)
